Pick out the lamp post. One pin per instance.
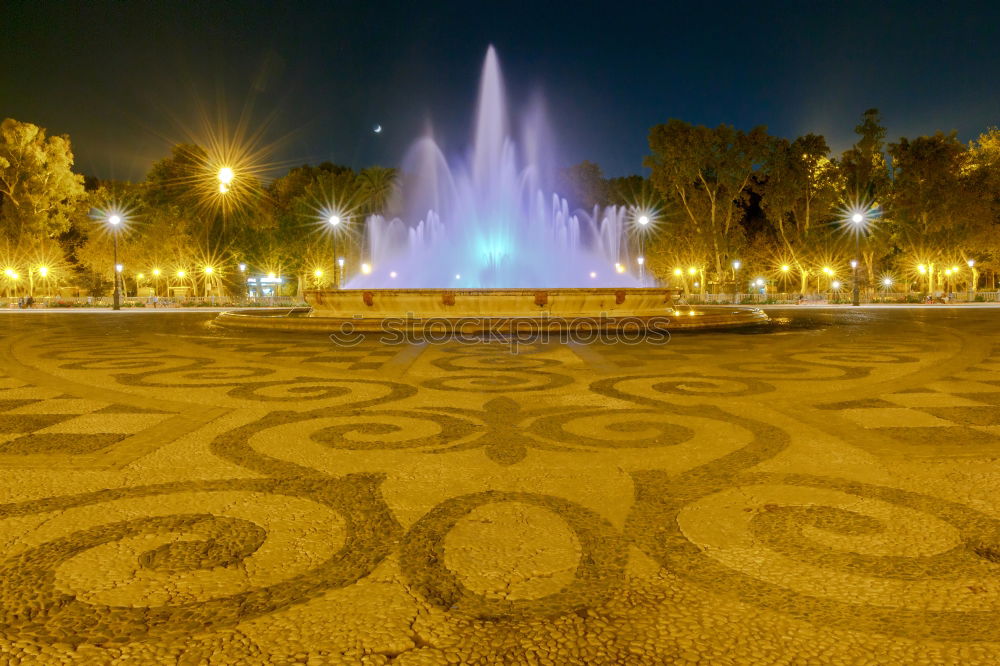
(974, 280)
(43, 272)
(692, 272)
(208, 270)
(115, 220)
(855, 293)
(643, 222)
(334, 221)
(246, 285)
(858, 219)
(226, 176)
(11, 276)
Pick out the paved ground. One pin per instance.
(823, 492)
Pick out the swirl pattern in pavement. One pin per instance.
(823, 492)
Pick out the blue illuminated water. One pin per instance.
(490, 220)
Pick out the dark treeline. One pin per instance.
(784, 210)
(727, 205)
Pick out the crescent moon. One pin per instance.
(378, 129)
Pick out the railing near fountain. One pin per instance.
(839, 298)
(42, 302)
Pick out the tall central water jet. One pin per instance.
(490, 220)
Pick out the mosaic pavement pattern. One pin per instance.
(825, 491)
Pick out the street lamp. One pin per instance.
(643, 221)
(829, 276)
(208, 270)
(12, 276)
(226, 176)
(974, 280)
(887, 283)
(333, 221)
(858, 219)
(115, 221)
(43, 272)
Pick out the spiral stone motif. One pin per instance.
(193, 496)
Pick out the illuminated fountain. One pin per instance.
(485, 238)
(491, 220)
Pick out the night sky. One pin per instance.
(126, 80)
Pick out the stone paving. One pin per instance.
(825, 491)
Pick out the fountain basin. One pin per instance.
(474, 310)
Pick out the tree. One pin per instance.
(705, 173)
(798, 193)
(930, 200)
(377, 185)
(39, 193)
(296, 238)
(866, 182)
(866, 175)
(982, 175)
(631, 190)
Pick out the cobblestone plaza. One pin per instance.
(822, 491)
